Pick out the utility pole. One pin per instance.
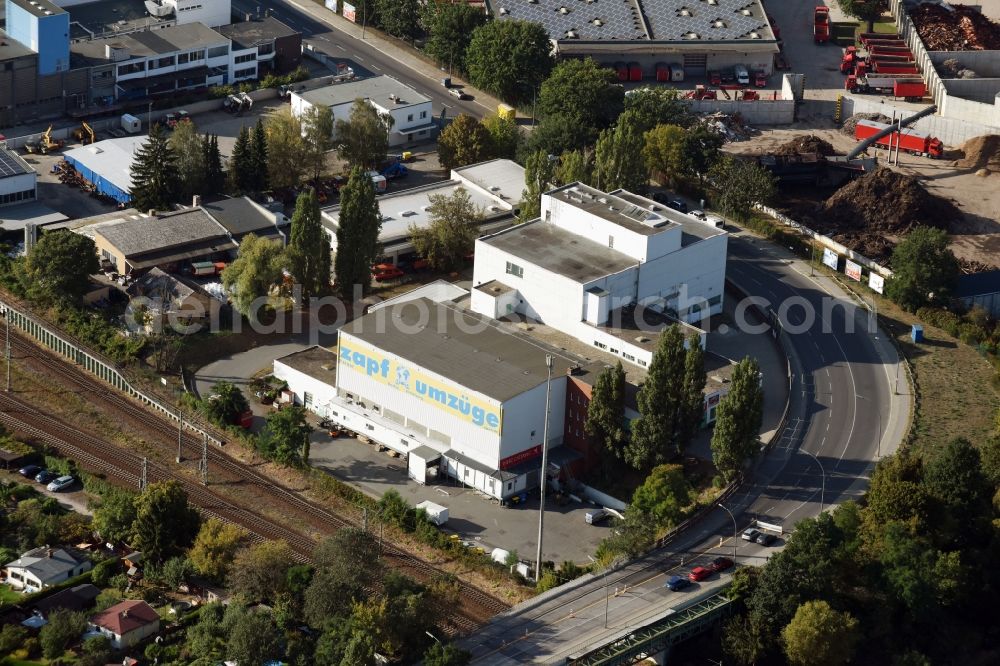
(144, 478)
(180, 428)
(204, 458)
(545, 463)
(7, 349)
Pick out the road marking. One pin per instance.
(376, 68)
(359, 58)
(340, 47)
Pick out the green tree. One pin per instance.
(509, 59)
(363, 139)
(820, 636)
(605, 424)
(114, 514)
(12, 637)
(225, 404)
(259, 156)
(329, 595)
(539, 171)
(309, 249)
(286, 149)
(189, 159)
(865, 10)
(399, 18)
(58, 267)
(164, 523)
(350, 554)
(955, 480)
(255, 272)
(450, 25)
(64, 627)
(742, 185)
(989, 452)
(358, 229)
(587, 93)
(241, 163)
(924, 270)
(253, 638)
(103, 571)
(692, 406)
(317, 124)
(702, 150)
(658, 106)
(215, 547)
(446, 655)
(215, 176)
(176, 570)
(664, 495)
(155, 179)
(205, 639)
(664, 152)
(258, 572)
(660, 430)
(285, 438)
(617, 157)
(574, 166)
(505, 136)
(454, 226)
(737, 419)
(464, 141)
(742, 640)
(360, 650)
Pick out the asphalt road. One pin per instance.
(843, 404)
(322, 29)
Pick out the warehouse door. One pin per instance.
(532, 479)
(695, 64)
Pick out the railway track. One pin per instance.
(483, 605)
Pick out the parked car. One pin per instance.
(715, 221)
(384, 272)
(46, 476)
(700, 214)
(675, 583)
(595, 516)
(61, 483)
(677, 205)
(750, 534)
(721, 564)
(30, 471)
(457, 93)
(699, 573)
(765, 539)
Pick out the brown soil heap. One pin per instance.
(868, 213)
(851, 123)
(981, 152)
(964, 29)
(809, 143)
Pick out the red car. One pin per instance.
(384, 272)
(699, 573)
(721, 564)
(760, 79)
(714, 78)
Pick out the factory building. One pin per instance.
(17, 179)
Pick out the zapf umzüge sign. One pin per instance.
(410, 380)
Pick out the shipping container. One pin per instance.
(909, 140)
(436, 513)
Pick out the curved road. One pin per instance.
(845, 409)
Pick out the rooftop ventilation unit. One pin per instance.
(754, 35)
(598, 22)
(503, 11)
(563, 10)
(685, 12)
(713, 2)
(746, 12)
(718, 23)
(691, 35)
(571, 34)
(494, 188)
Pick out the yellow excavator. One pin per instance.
(84, 134)
(47, 144)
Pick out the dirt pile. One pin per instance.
(851, 123)
(868, 213)
(981, 152)
(964, 29)
(808, 143)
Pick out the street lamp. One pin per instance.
(822, 472)
(180, 420)
(433, 636)
(545, 462)
(736, 538)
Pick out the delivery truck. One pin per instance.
(898, 85)
(909, 140)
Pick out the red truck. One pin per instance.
(910, 140)
(895, 51)
(821, 25)
(897, 85)
(881, 66)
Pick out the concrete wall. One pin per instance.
(983, 63)
(952, 131)
(983, 91)
(762, 112)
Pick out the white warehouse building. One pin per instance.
(584, 266)
(412, 118)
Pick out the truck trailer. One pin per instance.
(909, 140)
(898, 85)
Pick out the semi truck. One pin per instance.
(909, 140)
(821, 25)
(897, 85)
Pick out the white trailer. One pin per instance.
(436, 513)
(131, 124)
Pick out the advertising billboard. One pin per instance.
(876, 282)
(413, 381)
(853, 270)
(830, 258)
(331, 5)
(350, 13)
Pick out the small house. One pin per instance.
(43, 567)
(127, 623)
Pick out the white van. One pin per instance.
(742, 75)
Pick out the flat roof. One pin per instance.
(253, 33)
(692, 228)
(240, 215)
(638, 214)
(146, 43)
(438, 291)
(684, 21)
(16, 217)
(103, 16)
(642, 327)
(111, 159)
(12, 164)
(473, 351)
(376, 89)
(39, 7)
(11, 49)
(318, 362)
(559, 251)
(502, 178)
(155, 234)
